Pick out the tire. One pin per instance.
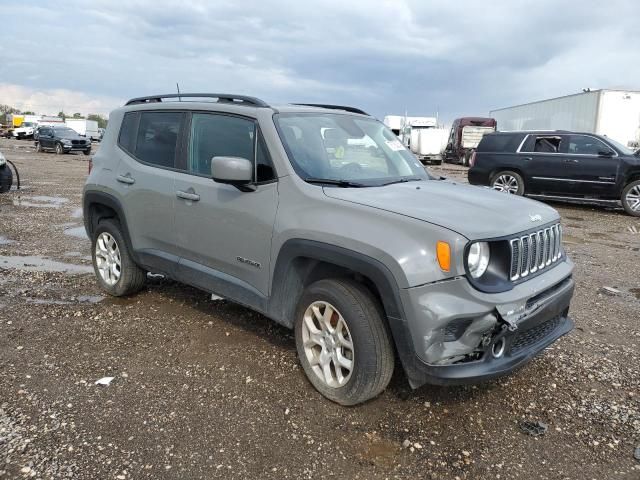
(59, 149)
(508, 182)
(371, 354)
(131, 278)
(87, 151)
(6, 178)
(631, 198)
(39, 147)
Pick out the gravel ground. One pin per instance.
(208, 389)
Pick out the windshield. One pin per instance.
(347, 149)
(624, 150)
(28, 124)
(64, 132)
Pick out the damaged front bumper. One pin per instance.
(459, 335)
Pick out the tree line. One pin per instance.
(6, 110)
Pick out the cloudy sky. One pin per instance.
(461, 58)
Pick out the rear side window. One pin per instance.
(499, 143)
(543, 144)
(157, 138)
(126, 139)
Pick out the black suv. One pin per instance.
(559, 165)
(62, 140)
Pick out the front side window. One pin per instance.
(214, 135)
(157, 139)
(346, 148)
(585, 145)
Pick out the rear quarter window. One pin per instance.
(127, 136)
(499, 143)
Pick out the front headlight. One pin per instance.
(478, 258)
(66, 141)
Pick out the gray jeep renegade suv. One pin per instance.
(319, 218)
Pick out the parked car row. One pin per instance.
(559, 165)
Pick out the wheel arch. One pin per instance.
(97, 206)
(301, 262)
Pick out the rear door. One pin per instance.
(595, 165)
(149, 152)
(547, 169)
(224, 234)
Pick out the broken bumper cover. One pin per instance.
(526, 320)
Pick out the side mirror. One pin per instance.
(234, 171)
(605, 153)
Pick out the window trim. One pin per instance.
(178, 152)
(519, 150)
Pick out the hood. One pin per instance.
(474, 212)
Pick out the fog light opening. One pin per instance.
(497, 349)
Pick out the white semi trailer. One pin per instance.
(614, 113)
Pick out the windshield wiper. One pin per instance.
(332, 181)
(403, 180)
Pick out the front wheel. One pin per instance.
(343, 342)
(38, 147)
(59, 149)
(508, 182)
(115, 270)
(87, 151)
(631, 198)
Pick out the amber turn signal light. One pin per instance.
(443, 251)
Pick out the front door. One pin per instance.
(595, 165)
(224, 234)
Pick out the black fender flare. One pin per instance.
(287, 285)
(91, 198)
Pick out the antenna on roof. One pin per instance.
(178, 88)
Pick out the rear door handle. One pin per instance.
(194, 197)
(126, 179)
(570, 160)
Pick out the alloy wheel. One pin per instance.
(506, 184)
(328, 345)
(108, 259)
(633, 198)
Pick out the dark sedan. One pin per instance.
(62, 140)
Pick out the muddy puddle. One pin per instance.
(40, 264)
(40, 201)
(71, 301)
(77, 232)
(5, 241)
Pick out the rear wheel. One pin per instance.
(115, 270)
(343, 344)
(59, 149)
(631, 198)
(508, 182)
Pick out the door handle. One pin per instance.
(570, 160)
(125, 179)
(194, 197)
(527, 159)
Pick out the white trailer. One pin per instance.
(427, 140)
(614, 113)
(87, 128)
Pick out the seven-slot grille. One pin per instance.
(535, 251)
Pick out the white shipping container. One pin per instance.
(614, 113)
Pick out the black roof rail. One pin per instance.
(222, 98)
(334, 107)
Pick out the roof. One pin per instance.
(206, 99)
(584, 92)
